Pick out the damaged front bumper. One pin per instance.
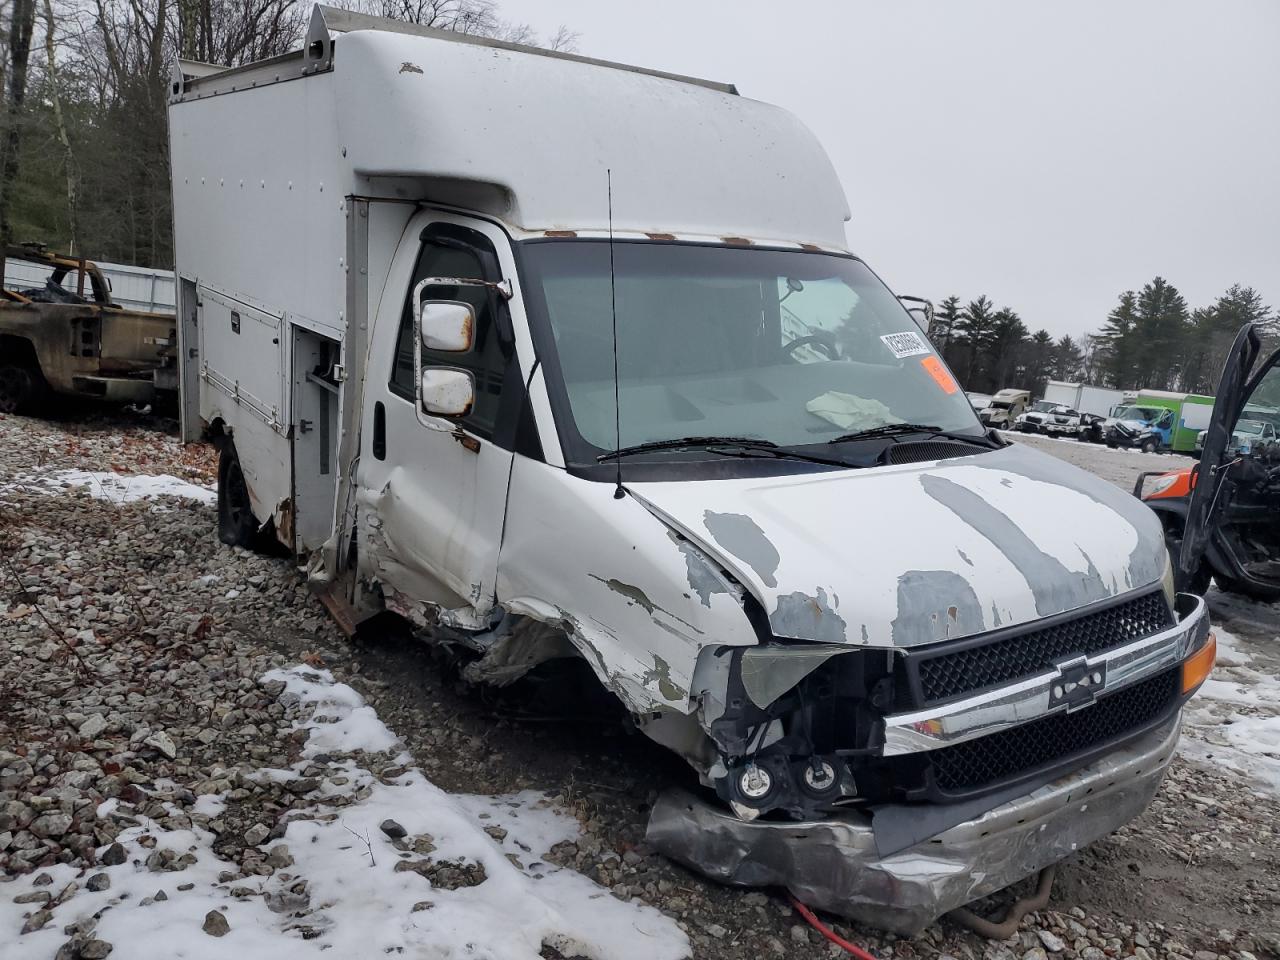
(834, 864)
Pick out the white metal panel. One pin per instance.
(242, 355)
(685, 158)
(258, 188)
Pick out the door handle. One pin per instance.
(304, 426)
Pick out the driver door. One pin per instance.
(432, 489)
(1206, 506)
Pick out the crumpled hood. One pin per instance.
(912, 554)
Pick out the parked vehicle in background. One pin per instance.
(1084, 397)
(1149, 429)
(979, 401)
(64, 334)
(1190, 414)
(1005, 407)
(1222, 516)
(1094, 405)
(462, 388)
(1030, 420)
(1246, 434)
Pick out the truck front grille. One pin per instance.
(1042, 744)
(973, 665)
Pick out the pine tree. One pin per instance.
(1161, 331)
(1068, 360)
(944, 322)
(973, 331)
(1117, 344)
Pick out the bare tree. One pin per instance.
(55, 96)
(22, 19)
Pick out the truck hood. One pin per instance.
(906, 555)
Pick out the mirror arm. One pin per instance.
(502, 287)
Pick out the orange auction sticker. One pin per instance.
(939, 373)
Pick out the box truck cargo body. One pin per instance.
(559, 358)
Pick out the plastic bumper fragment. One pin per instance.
(833, 864)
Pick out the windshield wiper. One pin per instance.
(898, 429)
(727, 447)
(679, 442)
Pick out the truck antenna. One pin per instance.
(618, 492)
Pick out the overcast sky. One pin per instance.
(1049, 155)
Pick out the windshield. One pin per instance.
(1136, 413)
(788, 347)
(1043, 406)
(1249, 426)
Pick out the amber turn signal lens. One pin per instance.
(1197, 667)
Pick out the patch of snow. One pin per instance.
(116, 487)
(359, 905)
(1234, 718)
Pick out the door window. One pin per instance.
(447, 257)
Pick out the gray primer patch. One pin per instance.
(705, 578)
(801, 616)
(934, 605)
(741, 536)
(1055, 588)
(1146, 561)
(634, 594)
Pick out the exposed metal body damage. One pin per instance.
(834, 864)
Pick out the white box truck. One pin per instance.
(679, 432)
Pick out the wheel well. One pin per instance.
(19, 351)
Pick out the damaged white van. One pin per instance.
(562, 358)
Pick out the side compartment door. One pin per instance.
(1205, 505)
(431, 490)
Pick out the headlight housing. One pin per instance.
(1160, 484)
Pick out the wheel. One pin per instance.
(1150, 446)
(1259, 592)
(237, 526)
(19, 386)
(1111, 445)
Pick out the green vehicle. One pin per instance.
(1190, 415)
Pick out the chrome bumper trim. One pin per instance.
(1071, 686)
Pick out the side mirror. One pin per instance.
(446, 392)
(926, 308)
(447, 326)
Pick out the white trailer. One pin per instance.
(1083, 397)
(678, 431)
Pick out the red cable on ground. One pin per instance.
(827, 932)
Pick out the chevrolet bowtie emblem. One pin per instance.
(1079, 683)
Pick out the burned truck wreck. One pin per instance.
(66, 335)
(687, 437)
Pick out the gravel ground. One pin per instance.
(132, 653)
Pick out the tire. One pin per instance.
(1112, 445)
(1263, 594)
(20, 387)
(1150, 446)
(237, 526)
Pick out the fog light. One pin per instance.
(820, 776)
(754, 782)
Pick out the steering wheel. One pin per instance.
(815, 340)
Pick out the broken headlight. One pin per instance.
(795, 720)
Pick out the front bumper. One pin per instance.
(834, 864)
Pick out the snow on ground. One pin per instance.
(370, 896)
(1234, 719)
(109, 485)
